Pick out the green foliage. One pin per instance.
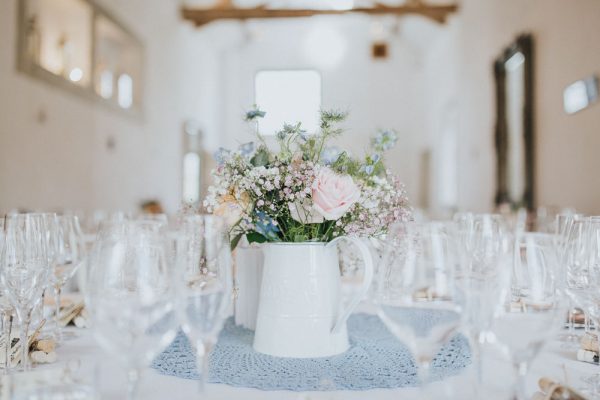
(255, 237)
(236, 240)
(261, 157)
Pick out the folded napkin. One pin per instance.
(74, 314)
(40, 351)
(550, 390)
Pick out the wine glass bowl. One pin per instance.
(25, 268)
(416, 295)
(69, 252)
(130, 295)
(532, 310)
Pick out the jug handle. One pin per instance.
(368, 277)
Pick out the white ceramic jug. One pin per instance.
(300, 311)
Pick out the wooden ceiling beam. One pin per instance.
(225, 10)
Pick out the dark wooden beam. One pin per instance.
(226, 11)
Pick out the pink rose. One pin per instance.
(333, 194)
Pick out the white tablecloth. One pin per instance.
(554, 362)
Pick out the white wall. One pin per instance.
(63, 161)
(566, 49)
(435, 76)
(377, 94)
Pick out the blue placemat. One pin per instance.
(376, 359)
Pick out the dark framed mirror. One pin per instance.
(514, 135)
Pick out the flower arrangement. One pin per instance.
(306, 190)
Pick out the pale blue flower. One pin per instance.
(384, 140)
(367, 169)
(222, 155)
(303, 135)
(281, 135)
(330, 154)
(247, 149)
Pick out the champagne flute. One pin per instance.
(532, 310)
(69, 253)
(24, 271)
(130, 295)
(204, 283)
(416, 294)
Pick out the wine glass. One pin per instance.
(5, 308)
(563, 225)
(532, 311)
(69, 252)
(416, 294)
(24, 270)
(130, 295)
(204, 286)
(587, 290)
(484, 245)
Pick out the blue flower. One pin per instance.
(255, 113)
(330, 154)
(374, 158)
(281, 135)
(222, 155)
(266, 226)
(303, 135)
(367, 169)
(384, 140)
(247, 149)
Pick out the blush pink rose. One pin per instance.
(333, 194)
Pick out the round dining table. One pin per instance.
(90, 364)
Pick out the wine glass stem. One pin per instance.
(202, 360)
(477, 349)
(133, 379)
(521, 369)
(57, 330)
(571, 320)
(24, 321)
(423, 373)
(7, 320)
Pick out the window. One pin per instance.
(191, 177)
(288, 96)
(125, 86)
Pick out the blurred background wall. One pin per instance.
(435, 88)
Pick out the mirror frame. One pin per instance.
(28, 66)
(524, 45)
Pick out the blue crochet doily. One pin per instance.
(376, 359)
